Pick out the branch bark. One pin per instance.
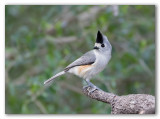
(127, 104)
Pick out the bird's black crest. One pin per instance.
(99, 37)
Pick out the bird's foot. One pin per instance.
(91, 88)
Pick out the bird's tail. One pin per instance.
(53, 77)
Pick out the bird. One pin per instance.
(91, 63)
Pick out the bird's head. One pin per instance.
(102, 44)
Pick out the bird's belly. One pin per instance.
(84, 71)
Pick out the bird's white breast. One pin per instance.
(101, 62)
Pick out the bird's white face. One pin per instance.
(103, 46)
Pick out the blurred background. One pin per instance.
(42, 40)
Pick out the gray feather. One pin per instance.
(86, 59)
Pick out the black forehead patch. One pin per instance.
(99, 37)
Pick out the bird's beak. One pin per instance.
(95, 47)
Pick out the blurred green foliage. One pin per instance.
(42, 40)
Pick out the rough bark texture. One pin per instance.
(128, 104)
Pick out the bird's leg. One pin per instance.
(93, 87)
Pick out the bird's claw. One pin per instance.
(91, 89)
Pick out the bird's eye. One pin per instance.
(102, 45)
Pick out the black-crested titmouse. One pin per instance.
(91, 63)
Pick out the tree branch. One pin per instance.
(127, 104)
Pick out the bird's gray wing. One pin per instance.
(86, 59)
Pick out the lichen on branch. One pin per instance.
(127, 104)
